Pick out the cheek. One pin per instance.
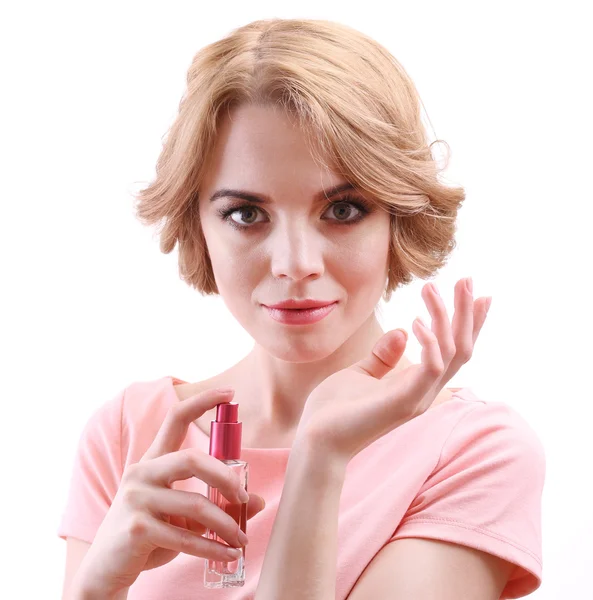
(230, 262)
(363, 260)
(364, 276)
(233, 272)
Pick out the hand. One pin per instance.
(361, 403)
(149, 524)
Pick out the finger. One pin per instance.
(440, 325)
(431, 361)
(192, 505)
(386, 353)
(412, 390)
(174, 428)
(255, 505)
(480, 312)
(178, 539)
(466, 328)
(185, 523)
(181, 522)
(462, 325)
(190, 462)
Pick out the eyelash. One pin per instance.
(363, 206)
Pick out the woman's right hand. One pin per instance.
(149, 523)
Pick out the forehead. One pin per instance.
(264, 146)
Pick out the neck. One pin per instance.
(277, 389)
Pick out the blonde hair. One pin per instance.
(353, 101)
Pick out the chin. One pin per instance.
(297, 349)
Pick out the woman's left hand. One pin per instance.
(353, 407)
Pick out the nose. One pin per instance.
(296, 252)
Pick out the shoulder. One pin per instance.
(138, 401)
(144, 406)
(485, 490)
(153, 398)
(493, 426)
(490, 457)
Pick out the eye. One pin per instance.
(248, 209)
(347, 206)
(343, 209)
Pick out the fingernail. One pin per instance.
(243, 495)
(435, 289)
(488, 303)
(470, 285)
(234, 552)
(421, 322)
(224, 390)
(242, 538)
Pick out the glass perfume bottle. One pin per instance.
(225, 444)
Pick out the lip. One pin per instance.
(309, 303)
(303, 316)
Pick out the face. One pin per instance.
(294, 243)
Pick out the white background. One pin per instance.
(89, 305)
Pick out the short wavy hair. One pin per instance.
(355, 104)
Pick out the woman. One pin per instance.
(298, 170)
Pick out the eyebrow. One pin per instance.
(262, 198)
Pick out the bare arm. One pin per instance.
(301, 557)
(74, 587)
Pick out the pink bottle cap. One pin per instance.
(225, 432)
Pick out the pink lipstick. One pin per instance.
(300, 316)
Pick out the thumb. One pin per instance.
(256, 504)
(385, 354)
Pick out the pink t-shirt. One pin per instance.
(466, 471)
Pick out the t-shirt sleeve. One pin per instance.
(485, 492)
(96, 473)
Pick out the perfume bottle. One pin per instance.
(225, 444)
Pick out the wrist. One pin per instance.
(86, 587)
(318, 459)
